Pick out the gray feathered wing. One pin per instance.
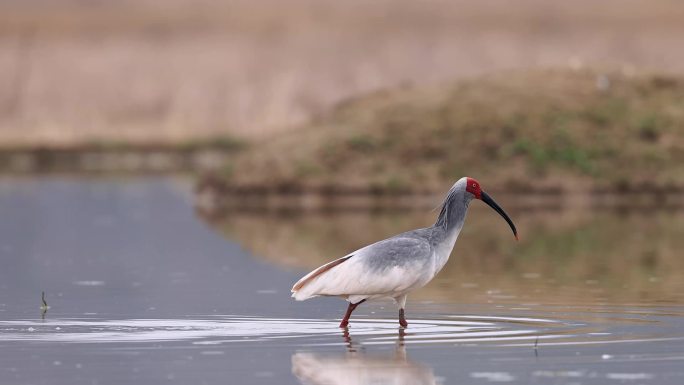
(385, 268)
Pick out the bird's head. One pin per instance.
(473, 188)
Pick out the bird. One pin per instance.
(393, 267)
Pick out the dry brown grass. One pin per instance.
(75, 72)
(573, 130)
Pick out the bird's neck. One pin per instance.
(453, 213)
(448, 226)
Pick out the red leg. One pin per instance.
(350, 309)
(402, 320)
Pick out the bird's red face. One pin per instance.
(473, 187)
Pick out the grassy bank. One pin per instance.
(547, 130)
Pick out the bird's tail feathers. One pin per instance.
(302, 290)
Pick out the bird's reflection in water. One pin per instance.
(357, 367)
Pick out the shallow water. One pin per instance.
(140, 290)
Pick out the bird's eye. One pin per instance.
(474, 185)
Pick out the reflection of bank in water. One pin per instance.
(566, 256)
(356, 367)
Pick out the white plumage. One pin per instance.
(395, 266)
(350, 277)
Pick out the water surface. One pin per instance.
(142, 290)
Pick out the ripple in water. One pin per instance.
(235, 329)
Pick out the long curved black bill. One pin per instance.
(488, 200)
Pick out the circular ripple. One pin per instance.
(231, 329)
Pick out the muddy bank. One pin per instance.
(214, 198)
(99, 159)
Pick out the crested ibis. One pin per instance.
(395, 266)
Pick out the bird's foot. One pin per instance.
(402, 319)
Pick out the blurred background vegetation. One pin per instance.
(374, 96)
(75, 71)
(327, 104)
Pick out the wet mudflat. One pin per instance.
(142, 290)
